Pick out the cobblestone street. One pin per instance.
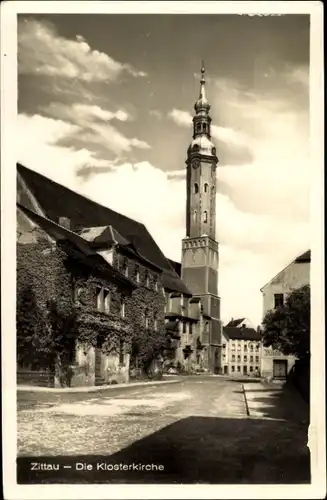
(198, 429)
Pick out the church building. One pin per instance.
(109, 270)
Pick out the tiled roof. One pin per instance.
(58, 201)
(177, 266)
(235, 322)
(75, 246)
(235, 333)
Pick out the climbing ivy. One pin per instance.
(50, 320)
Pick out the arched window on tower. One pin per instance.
(206, 188)
(196, 188)
(198, 127)
(194, 215)
(205, 216)
(204, 128)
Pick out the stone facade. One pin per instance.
(274, 365)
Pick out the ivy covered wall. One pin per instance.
(61, 330)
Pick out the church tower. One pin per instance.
(200, 249)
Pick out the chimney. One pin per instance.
(64, 222)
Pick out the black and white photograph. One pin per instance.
(165, 195)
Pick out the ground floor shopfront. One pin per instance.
(275, 365)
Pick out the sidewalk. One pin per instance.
(272, 401)
(93, 388)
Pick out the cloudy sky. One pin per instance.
(105, 107)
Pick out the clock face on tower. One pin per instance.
(196, 163)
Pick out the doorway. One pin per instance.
(280, 368)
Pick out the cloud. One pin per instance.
(84, 113)
(43, 52)
(94, 126)
(253, 247)
(38, 149)
(262, 199)
(182, 118)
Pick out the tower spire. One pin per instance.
(202, 105)
(202, 82)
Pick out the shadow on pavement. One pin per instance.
(283, 403)
(192, 450)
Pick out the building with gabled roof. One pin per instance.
(274, 365)
(239, 323)
(241, 350)
(103, 239)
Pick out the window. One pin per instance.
(257, 359)
(233, 368)
(245, 359)
(206, 188)
(205, 216)
(245, 369)
(238, 358)
(121, 352)
(156, 286)
(233, 347)
(198, 127)
(190, 328)
(122, 307)
(146, 318)
(137, 276)
(184, 327)
(224, 346)
(279, 299)
(257, 347)
(206, 326)
(251, 347)
(251, 359)
(238, 368)
(147, 280)
(204, 127)
(251, 368)
(195, 216)
(233, 357)
(245, 348)
(196, 188)
(257, 368)
(106, 297)
(99, 295)
(239, 348)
